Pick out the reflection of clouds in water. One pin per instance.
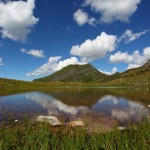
(120, 114)
(53, 105)
(128, 114)
(68, 109)
(127, 110)
(133, 111)
(135, 105)
(118, 108)
(109, 97)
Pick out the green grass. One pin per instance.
(40, 137)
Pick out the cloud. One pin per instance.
(128, 36)
(120, 57)
(133, 60)
(17, 19)
(131, 66)
(82, 18)
(33, 52)
(113, 10)
(54, 64)
(107, 98)
(113, 71)
(96, 48)
(1, 62)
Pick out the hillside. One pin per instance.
(75, 73)
(136, 76)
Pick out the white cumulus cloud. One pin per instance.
(82, 18)
(129, 36)
(17, 19)
(96, 48)
(1, 62)
(112, 10)
(33, 52)
(54, 64)
(133, 60)
(113, 71)
(121, 57)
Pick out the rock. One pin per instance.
(75, 124)
(121, 128)
(141, 106)
(52, 120)
(149, 106)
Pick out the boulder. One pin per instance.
(52, 120)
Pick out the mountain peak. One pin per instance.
(75, 73)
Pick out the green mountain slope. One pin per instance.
(136, 76)
(75, 73)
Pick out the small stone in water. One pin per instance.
(121, 128)
(75, 123)
(50, 119)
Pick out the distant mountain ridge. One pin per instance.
(89, 74)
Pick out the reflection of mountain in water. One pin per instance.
(94, 104)
(77, 96)
(89, 96)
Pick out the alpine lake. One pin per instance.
(95, 106)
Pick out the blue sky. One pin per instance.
(40, 37)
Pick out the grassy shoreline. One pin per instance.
(40, 136)
(10, 86)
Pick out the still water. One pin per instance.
(93, 105)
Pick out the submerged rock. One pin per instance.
(52, 120)
(75, 124)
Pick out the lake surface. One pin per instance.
(95, 106)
